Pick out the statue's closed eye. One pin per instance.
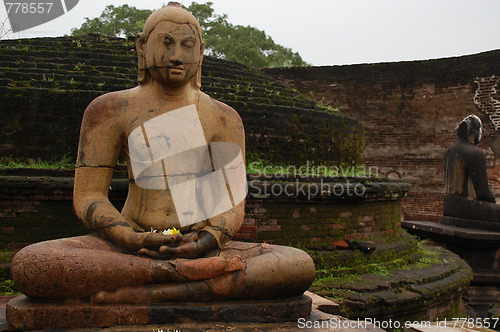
(168, 40)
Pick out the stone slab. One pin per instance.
(323, 304)
(452, 231)
(470, 223)
(23, 314)
(326, 323)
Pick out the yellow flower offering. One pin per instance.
(170, 231)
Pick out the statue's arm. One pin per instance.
(101, 139)
(224, 226)
(479, 175)
(98, 150)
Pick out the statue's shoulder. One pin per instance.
(220, 107)
(469, 153)
(109, 105)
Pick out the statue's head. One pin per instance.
(170, 47)
(470, 129)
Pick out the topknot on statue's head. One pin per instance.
(174, 3)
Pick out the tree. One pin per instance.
(114, 21)
(246, 45)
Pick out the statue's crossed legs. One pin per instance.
(89, 268)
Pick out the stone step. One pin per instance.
(69, 41)
(82, 71)
(436, 275)
(70, 70)
(47, 75)
(56, 57)
(58, 72)
(76, 81)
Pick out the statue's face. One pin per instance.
(172, 53)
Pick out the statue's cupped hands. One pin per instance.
(191, 245)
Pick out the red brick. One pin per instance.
(245, 237)
(269, 228)
(7, 230)
(345, 215)
(249, 221)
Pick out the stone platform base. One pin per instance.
(480, 248)
(470, 223)
(446, 233)
(23, 314)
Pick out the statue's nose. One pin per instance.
(177, 60)
(176, 57)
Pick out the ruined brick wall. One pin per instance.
(36, 205)
(409, 110)
(309, 223)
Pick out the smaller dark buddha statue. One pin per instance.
(469, 201)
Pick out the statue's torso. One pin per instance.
(150, 203)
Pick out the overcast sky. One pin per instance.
(338, 32)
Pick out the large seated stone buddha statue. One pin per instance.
(469, 201)
(185, 157)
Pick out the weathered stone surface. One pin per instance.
(323, 304)
(23, 314)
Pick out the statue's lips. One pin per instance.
(176, 70)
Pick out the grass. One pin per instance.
(254, 166)
(7, 288)
(328, 108)
(63, 163)
(49, 78)
(6, 284)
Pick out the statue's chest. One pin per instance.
(158, 136)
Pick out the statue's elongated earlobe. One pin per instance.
(141, 61)
(197, 79)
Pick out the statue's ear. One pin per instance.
(202, 50)
(140, 41)
(197, 80)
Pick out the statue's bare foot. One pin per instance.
(213, 289)
(226, 283)
(208, 268)
(182, 270)
(130, 295)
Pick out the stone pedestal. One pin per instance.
(480, 248)
(24, 314)
(470, 223)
